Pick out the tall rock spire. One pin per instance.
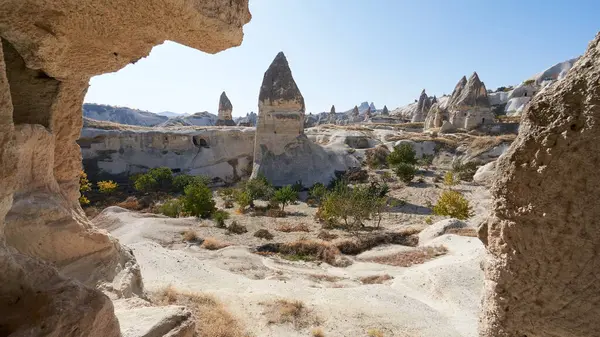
(225, 111)
(278, 89)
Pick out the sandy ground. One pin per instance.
(438, 298)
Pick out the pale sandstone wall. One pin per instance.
(51, 49)
(217, 153)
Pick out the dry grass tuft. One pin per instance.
(131, 203)
(211, 317)
(375, 279)
(375, 333)
(284, 311)
(309, 250)
(366, 242)
(324, 277)
(409, 258)
(288, 228)
(263, 234)
(190, 235)
(317, 332)
(235, 228)
(465, 231)
(326, 236)
(214, 244)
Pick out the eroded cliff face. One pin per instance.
(49, 51)
(223, 153)
(543, 260)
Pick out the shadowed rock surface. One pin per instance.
(225, 117)
(50, 50)
(543, 263)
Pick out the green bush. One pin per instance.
(171, 208)
(317, 192)
(402, 154)
(107, 186)
(377, 157)
(453, 204)
(284, 196)
(163, 176)
(406, 172)
(181, 181)
(426, 160)
(243, 199)
(145, 183)
(259, 189)
(219, 217)
(464, 171)
(198, 201)
(297, 186)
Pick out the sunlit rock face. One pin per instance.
(469, 105)
(49, 51)
(282, 152)
(225, 117)
(542, 239)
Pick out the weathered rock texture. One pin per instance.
(116, 151)
(469, 105)
(542, 240)
(385, 111)
(282, 152)
(50, 49)
(225, 117)
(423, 106)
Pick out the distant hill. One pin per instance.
(170, 114)
(122, 115)
(204, 118)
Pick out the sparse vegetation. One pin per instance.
(406, 172)
(412, 257)
(145, 183)
(181, 181)
(219, 217)
(107, 186)
(465, 231)
(263, 234)
(375, 333)
(375, 279)
(376, 158)
(309, 250)
(289, 228)
(449, 179)
(243, 199)
(211, 243)
(258, 189)
(464, 171)
(211, 317)
(453, 204)
(198, 201)
(317, 332)
(190, 235)
(317, 192)
(326, 236)
(293, 312)
(529, 82)
(171, 208)
(130, 203)
(284, 196)
(403, 153)
(84, 186)
(83, 200)
(235, 228)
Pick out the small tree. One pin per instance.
(84, 183)
(145, 183)
(219, 218)
(198, 201)
(163, 176)
(403, 153)
(243, 199)
(181, 181)
(285, 195)
(259, 189)
(107, 186)
(453, 204)
(318, 191)
(406, 172)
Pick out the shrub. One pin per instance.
(326, 236)
(236, 228)
(529, 82)
(426, 160)
(318, 191)
(163, 176)
(287, 228)
(429, 220)
(310, 250)
(387, 177)
(377, 157)
(350, 205)
(464, 171)
(83, 200)
(84, 183)
(403, 153)
(275, 213)
(107, 186)
(449, 179)
(453, 204)
(198, 201)
(263, 234)
(190, 235)
(243, 199)
(130, 203)
(258, 189)
(214, 244)
(145, 183)
(297, 186)
(171, 208)
(219, 217)
(285, 195)
(410, 257)
(406, 172)
(181, 181)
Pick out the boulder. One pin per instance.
(438, 229)
(485, 174)
(542, 238)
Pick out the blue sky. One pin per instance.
(344, 52)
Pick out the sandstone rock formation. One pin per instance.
(50, 49)
(282, 152)
(122, 115)
(385, 111)
(115, 151)
(469, 105)
(423, 106)
(225, 109)
(249, 120)
(542, 239)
